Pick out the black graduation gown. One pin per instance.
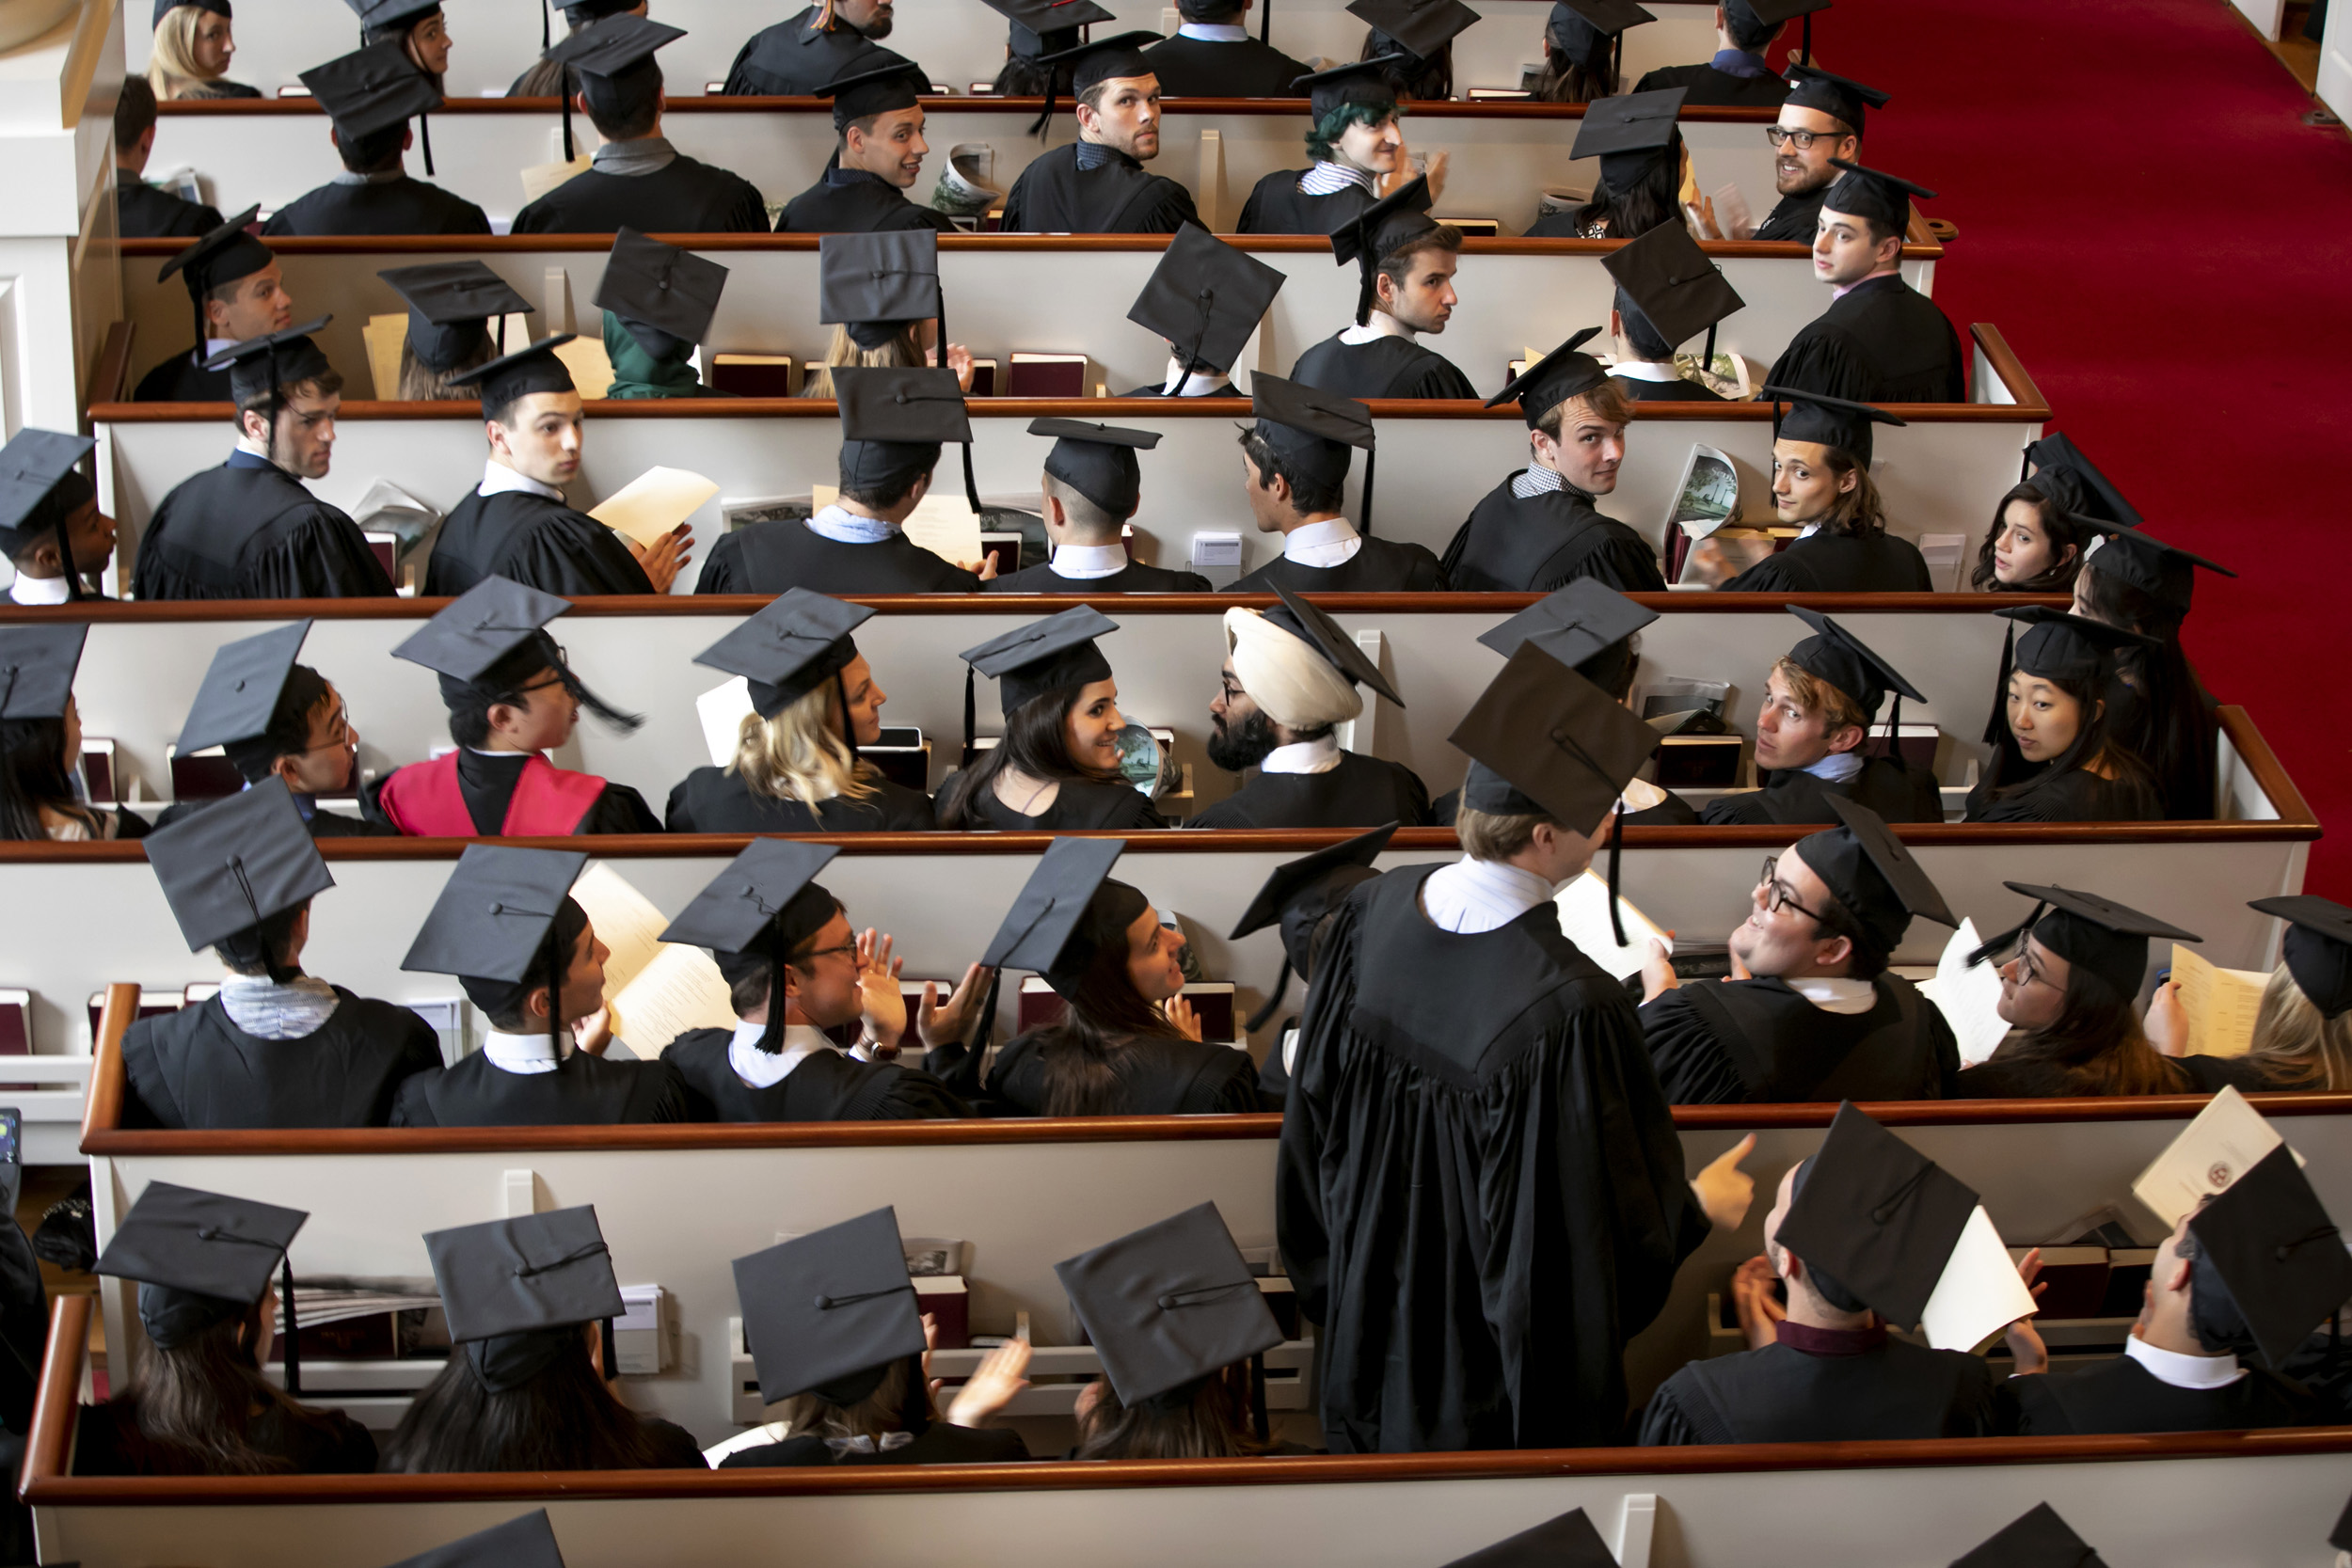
(1054, 196)
(1480, 1195)
(322, 824)
(712, 800)
(1839, 563)
(1081, 803)
(487, 781)
(1382, 566)
(853, 201)
(1156, 1078)
(1509, 546)
(1891, 1391)
(539, 543)
(1704, 84)
(1644, 390)
(793, 58)
(1794, 217)
(586, 1092)
(1133, 577)
(769, 558)
(1757, 1041)
(1671, 812)
(181, 379)
(196, 1068)
(1206, 68)
(2008, 1078)
(1883, 341)
(683, 197)
(145, 211)
(402, 206)
(236, 532)
(1277, 206)
(1226, 391)
(937, 1444)
(1387, 366)
(1895, 790)
(1361, 792)
(335, 1446)
(2211, 1074)
(2121, 1396)
(826, 1085)
(2076, 795)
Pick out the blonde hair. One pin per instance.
(1607, 401)
(799, 755)
(903, 352)
(1817, 696)
(172, 71)
(421, 383)
(2296, 1047)
(1489, 836)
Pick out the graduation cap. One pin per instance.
(2166, 573)
(527, 1541)
(2068, 647)
(764, 905)
(878, 285)
(42, 487)
(1592, 33)
(1586, 626)
(1297, 897)
(2270, 1262)
(504, 380)
(376, 14)
(203, 1258)
(1838, 97)
(164, 8)
(2102, 936)
(1751, 17)
(1877, 1216)
(489, 640)
(1029, 662)
(1830, 421)
(663, 295)
(1868, 193)
(1673, 285)
(1568, 1541)
(1629, 133)
(1567, 372)
(260, 366)
(37, 665)
(1380, 230)
(451, 305)
(229, 867)
(1205, 297)
(830, 1313)
(1040, 932)
(1361, 82)
(604, 51)
(1869, 871)
(796, 642)
(1098, 461)
(493, 921)
(217, 258)
(514, 1290)
(2039, 1538)
(891, 417)
(1420, 27)
(1168, 1305)
(1043, 27)
(1313, 430)
(2318, 947)
(372, 89)
(2073, 483)
(884, 89)
(1090, 65)
(1838, 657)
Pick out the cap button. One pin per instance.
(898, 397)
(664, 285)
(497, 908)
(241, 686)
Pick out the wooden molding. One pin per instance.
(102, 1108)
(1026, 108)
(57, 1403)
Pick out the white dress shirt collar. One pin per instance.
(763, 1069)
(1333, 542)
(1306, 756)
(520, 1053)
(1214, 32)
(1645, 370)
(1080, 562)
(499, 480)
(33, 590)
(1835, 993)
(1200, 384)
(1378, 325)
(1471, 895)
(2184, 1372)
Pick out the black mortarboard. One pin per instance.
(830, 1311)
(218, 256)
(1104, 59)
(1838, 657)
(200, 1258)
(229, 867)
(516, 1291)
(2164, 572)
(2270, 1262)
(1568, 1541)
(451, 305)
(1168, 1305)
(1868, 193)
(1673, 285)
(797, 642)
(877, 285)
(1867, 867)
(475, 630)
(1839, 97)
(1831, 422)
(494, 913)
(164, 8)
(524, 1542)
(241, 688)
(259, 366)
(1629, 133)
(1320, 632)
(1420, 27)
(2102, 936)
(1098, 461)
(1363, 82)
(609, 48)
(762, 907)
(1312, 429)
(1878, 1216)
(37, 665)
(894, 417)
(1379, 231)
(1545, 741)
(373, 14)
(1567, 372)
(1043, 27)
(1205, 297)
(2068, 647)
(862, 93)
(663, 295)
(1040, 932)
(372, 89)
(41, 485)
(2341, 1537)
(1586, 626)
(2086, 489)
(1297, 897)
(1028, 661)
(519, 375)
(2318, 947)
(2037, 1540)
(1592, 33)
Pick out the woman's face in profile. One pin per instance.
(1153, 966)
(214, 46)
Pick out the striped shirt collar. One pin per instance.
(1328, 178)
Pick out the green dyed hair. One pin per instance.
(1325, 138)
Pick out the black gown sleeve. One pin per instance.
(620, 810)
(2023, 1408)
(1667, 1422)
(1302, 1227)
(324, 557)
(1169, 213)
(1438, 377)
(560, 556)
(658, 1093)
(1822, 361)
(1766, 577)
(410, 1108)
(1423, 575)
(1627, 565)
(1746, 808)
(916, 1096)
(750, 212)
(1229, 1088)
(719, 567)
(1690, 1061)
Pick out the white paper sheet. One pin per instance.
(1969, 998)
(626, 922)
(654, 502)
(2221, 1004)
(1978, 1294)
(2226, 1140)
(723, 710)
(680, 989)
(1733, 219)
(1584, 906)
(539, 179)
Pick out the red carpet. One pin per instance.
(2170, 251)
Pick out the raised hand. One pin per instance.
(1723, 1189)
(937, 1023)
(993, 1386)
(665, 557)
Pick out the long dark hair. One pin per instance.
(2056, 579)
(2096, 1047)
(35, 772)
(2128, 793)
(1105, 1015)
(1206, 1418)
(1036, 742)
(192, 1410)
(1566, 80)
(2172, 734)
(564, 1419)
(901, 1401)
(1652, 200)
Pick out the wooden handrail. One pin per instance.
(102, 1107)
(2012, 371)
(57, 1405)
(110, 373)
(704, 104)
(2270, 775)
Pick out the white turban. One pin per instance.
(1287, 676)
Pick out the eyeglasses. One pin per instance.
(815, 953)
(1780, 136)
(2028, 971)
(338, 734)
(1778, 895)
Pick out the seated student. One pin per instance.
(419, 26)
(906, 345)
(658, 302)
(1179, 1324)
(2303, 1041)
(1412, 42)
(636, 177)
(1822, 118)
(51, 529)
(371, 96)
(1036, 30)
(451, 306)
(1668, 293)
(1300, 898)
(1585, 49)
(2070, 989)
(248, 530)
(526, 1388)
(1098, 186)
(1880, 339)
(1830, 1372)
(1205, 297)
(2256, 1267)
(40, 741)
(1057, 764)
(2158, 706)
(1408, 262)
(197, 1402)
(546, 76)
(1642, 364)
(1813, 1014)
(512, 698)
(145, 211)
(1093, 484)
(1821, 486)
(878, 156)
(273, 1047)
(813, 702)
(828, 41)
(1820, 703)
(1354, 151)
(515, 523)
(1296, 460)
(1290, 678)
(1738, 75)
(1642, 162)
(1213, 55)
(2072, 766)
(796, 970)
(855, 1385)
(193, 48)
(508, 928)
(238, 294)
(1538, 530)
(2033, 545)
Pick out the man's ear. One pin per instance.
(1840, 742)
(501, 716)
(1837, 950)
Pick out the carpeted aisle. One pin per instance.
(2170, 251)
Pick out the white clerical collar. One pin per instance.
(1838, 767)
(520, 1053)
(1214, 32)
(1645, 370)
(32, 590)
(844, 527)
(1473, 895)
(1833, 993)
(1333, 542)
(499, 479)
(1378, 325)
(1079, 562)
(2184, 1372)
(1845, 288)
(764, 1069)
(1200, 384)
(1319, 755)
